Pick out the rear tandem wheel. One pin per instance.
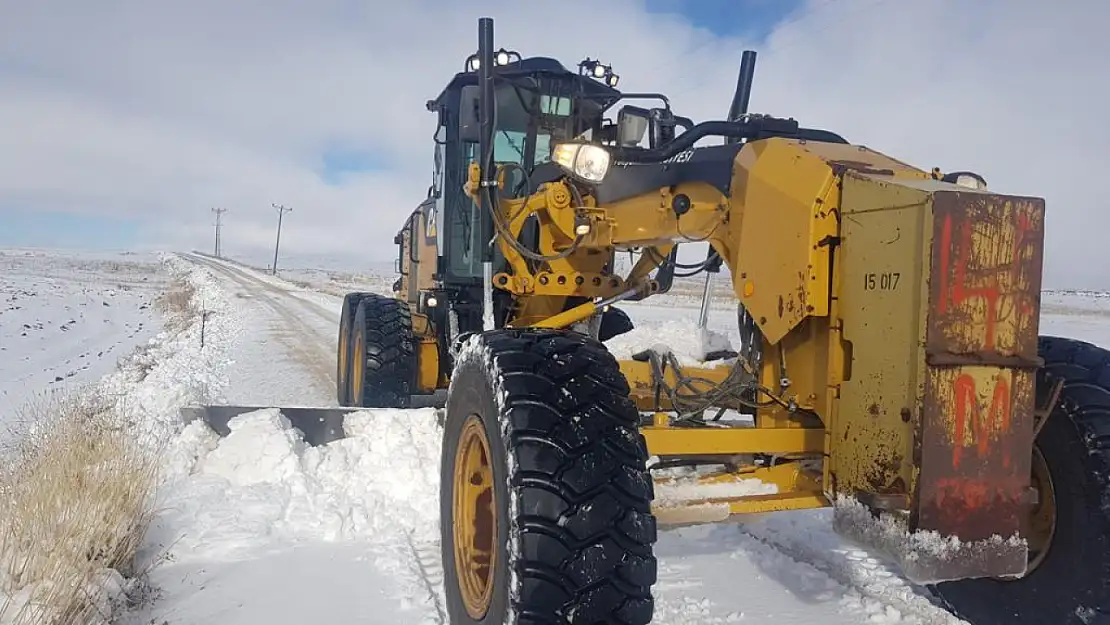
(545, 497)
(382, 354)
(1069, 578)
(343, 348)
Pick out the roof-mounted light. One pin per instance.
(596, 69)
(968, 179)
(500, 58)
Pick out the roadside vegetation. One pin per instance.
(77, 495)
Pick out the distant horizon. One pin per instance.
(303, 262)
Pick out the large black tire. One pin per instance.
(343, 348)
(1071, 585)
(382, 336)
(571, 492)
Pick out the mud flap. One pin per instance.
(974, 438)
(318, 426)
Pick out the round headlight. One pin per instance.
(588, 162)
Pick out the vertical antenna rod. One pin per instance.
(281, 211)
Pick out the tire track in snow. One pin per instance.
(878, 584)
(426, 565)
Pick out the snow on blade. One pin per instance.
(678, 489)
(920, 552)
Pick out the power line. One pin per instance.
(219, 222)
(281, 212)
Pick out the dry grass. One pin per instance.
(76, 498)
(179, 305)
(77, 495)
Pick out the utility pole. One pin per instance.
(281, 211)
(219, 214)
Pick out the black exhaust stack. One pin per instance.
(487, 176)
(743, 92)
(738, 108)
(485, 142)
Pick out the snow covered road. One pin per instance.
(288, 354)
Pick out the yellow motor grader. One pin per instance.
(890, 365)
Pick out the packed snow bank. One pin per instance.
(261, 495)
(383, 476)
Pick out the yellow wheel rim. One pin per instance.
(1042, 519)
(357, 365)
(474, 520)
(344, 337)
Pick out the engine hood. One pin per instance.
(710, 164)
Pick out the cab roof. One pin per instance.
(536, 66)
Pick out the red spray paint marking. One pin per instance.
(958, 290)
(967, 408)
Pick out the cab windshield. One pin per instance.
(528, 122)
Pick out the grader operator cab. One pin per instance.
(891, 367)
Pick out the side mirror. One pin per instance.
(632, 124)
(470, 119)
(662, 127)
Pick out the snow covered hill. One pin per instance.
(258, 528)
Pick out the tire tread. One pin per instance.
(585, 523)
(390, 358)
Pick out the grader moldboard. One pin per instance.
(891, 365)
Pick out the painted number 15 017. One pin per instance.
(881, 281)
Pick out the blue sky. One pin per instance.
(31, 228)
(752, 19)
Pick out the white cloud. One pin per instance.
(159, 111)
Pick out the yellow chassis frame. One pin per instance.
(798, 487)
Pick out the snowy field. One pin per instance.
(65, 319)
(257, 528)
